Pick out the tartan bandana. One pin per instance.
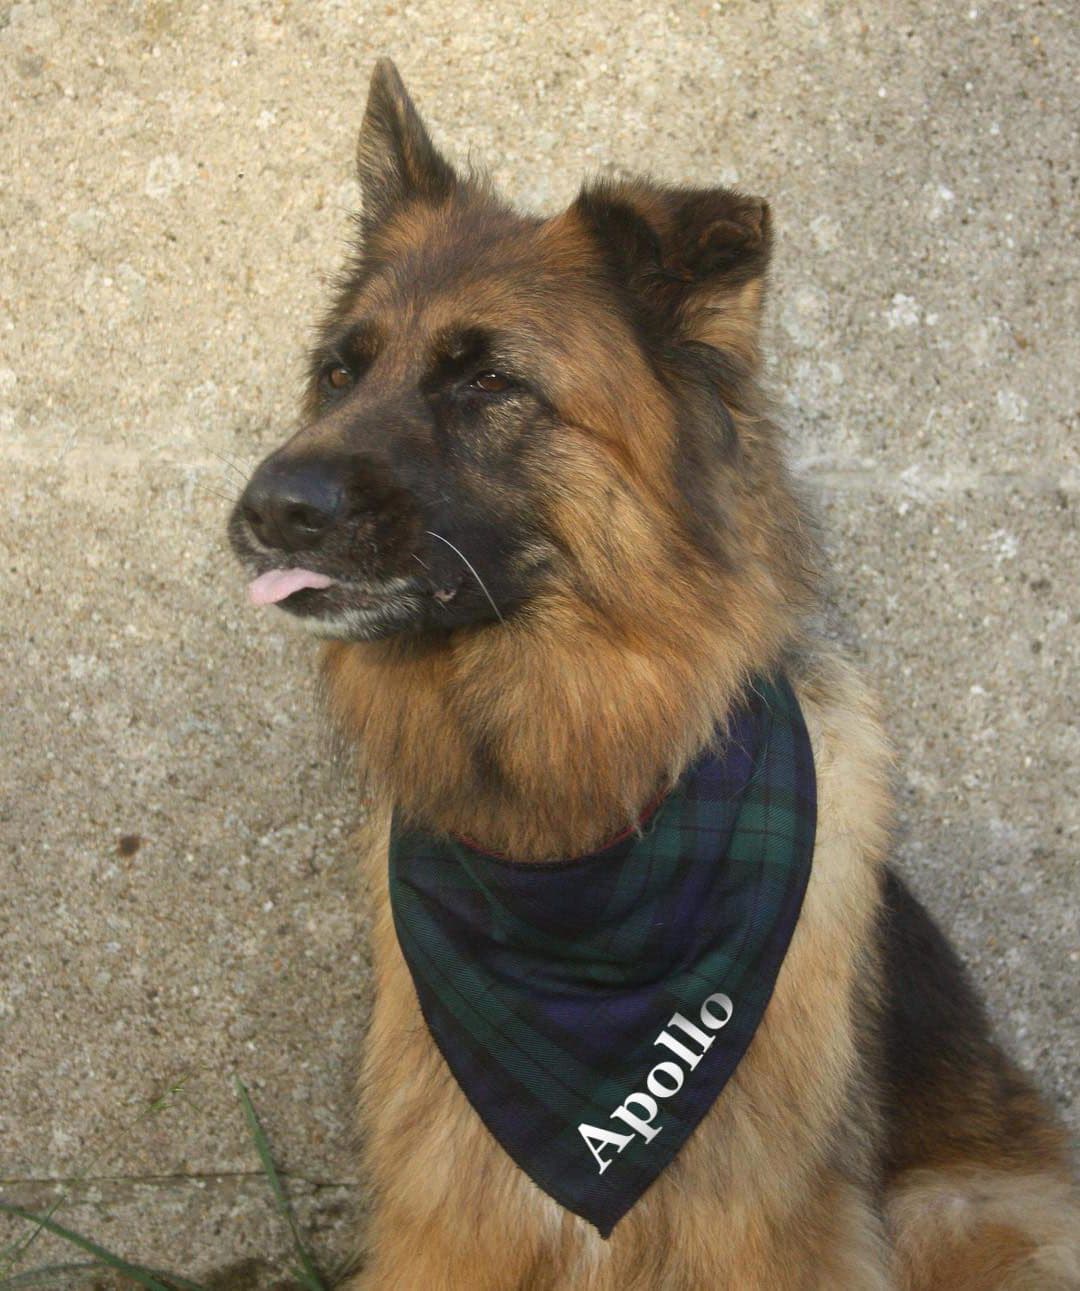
(592, 1010)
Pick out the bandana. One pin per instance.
(592, 1010)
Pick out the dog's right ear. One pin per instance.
(696, 257)
(396, 162)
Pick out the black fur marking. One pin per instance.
(353, 347)
(700, 378)
(719, 233)
(460, 354)
(630, 244)
(948, 1090)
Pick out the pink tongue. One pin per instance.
(274, 586)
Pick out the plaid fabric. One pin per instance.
(546, 986)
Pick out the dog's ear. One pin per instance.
(396, 161)
(695, 257)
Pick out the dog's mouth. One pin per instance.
(340, 608)
(278, 585)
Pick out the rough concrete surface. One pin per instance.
(177, 895)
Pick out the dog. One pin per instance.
(538, 511)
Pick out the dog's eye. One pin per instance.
(491, 382)
(337, 377)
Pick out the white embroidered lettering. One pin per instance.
(649, 1106)
(694, 1032)
(597, 1138)
(681, 1050)
(638, 1110)
(673, 1072)
(709, 1019)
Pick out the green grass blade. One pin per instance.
(306, 1274)
(13, 1254)
(134, 1272)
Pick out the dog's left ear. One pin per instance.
(697, 257)
(396, 161)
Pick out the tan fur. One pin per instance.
(969, 1229)
(632, 696)
(543, 735)
(733, 323)
(754, 1202)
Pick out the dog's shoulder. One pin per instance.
(853, 766)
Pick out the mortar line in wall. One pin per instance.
(826, 472)
(927, 488)
(910, 482)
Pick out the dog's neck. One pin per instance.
(544, 739)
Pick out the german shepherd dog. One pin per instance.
(538, 511)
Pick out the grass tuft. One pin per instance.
(106, 1261)
(305, 1274)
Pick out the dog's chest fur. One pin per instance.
(787, 1148)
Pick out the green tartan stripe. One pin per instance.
(547, 1070)
(554, 1076)
(534, 1061)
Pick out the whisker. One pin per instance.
(431, 534)
(231, 464)
(207, 491)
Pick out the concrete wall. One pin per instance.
(176, 893)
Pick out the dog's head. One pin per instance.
(505, 411)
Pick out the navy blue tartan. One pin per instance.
(545, 985)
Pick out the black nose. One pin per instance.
(292, 503)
